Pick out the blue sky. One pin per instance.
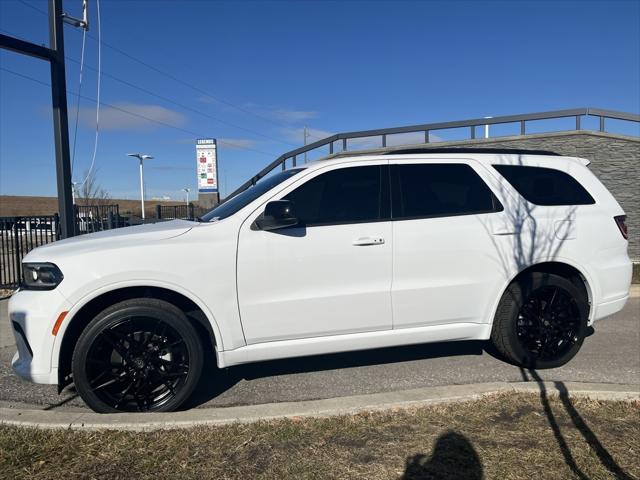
(253, 74)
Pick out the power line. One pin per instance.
(174, 78)
(166, 99)
(186, 107)
(124, 110)
(95, 141)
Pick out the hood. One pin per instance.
(110, 239)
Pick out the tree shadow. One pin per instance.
(589, 436)
(453, 457)
(214, 381)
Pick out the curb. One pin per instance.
(310, 409)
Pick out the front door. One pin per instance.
(330, 275)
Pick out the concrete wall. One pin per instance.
(615, 159)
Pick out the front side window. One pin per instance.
(426, 190)
(545, 186)
(244, 198)
(345, 195)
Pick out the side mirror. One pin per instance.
(277, 214)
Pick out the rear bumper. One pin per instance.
(606, 309)
(613, 280)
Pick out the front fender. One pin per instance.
(110, 287)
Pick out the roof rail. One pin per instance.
(508, 151)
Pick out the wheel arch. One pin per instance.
(196, 312)
(565, 269)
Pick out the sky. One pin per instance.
(254, 74)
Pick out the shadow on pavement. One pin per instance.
(215, 382)
(453, 457)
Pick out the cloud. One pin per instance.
(131, 116)
(171, 168)
(296, 135)
(206, 99)
(235, 143)
(283, 114)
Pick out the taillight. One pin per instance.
(622, 225)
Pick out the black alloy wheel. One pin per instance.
(548, 324)
(137, 356)
(541, 321)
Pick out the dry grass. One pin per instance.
(503, 436)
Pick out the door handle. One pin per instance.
(363, 241)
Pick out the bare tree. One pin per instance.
(92, 193)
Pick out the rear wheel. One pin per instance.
(136, 356)
(541, 321)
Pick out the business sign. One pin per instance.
(207, 165)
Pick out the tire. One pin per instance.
(537, 328)
(137, 355)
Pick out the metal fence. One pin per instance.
(20, 235)
(184, 211)
(340, 141)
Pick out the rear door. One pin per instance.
(446, 268)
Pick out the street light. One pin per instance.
(187, 190)
(141, 157)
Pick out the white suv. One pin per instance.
(343, 254)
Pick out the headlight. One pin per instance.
(40, 276)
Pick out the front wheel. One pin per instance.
(136, 356)
(541, 321)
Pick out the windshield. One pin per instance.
(244, 198)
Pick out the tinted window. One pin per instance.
(435, 190)
(545, 186)
(346, 195)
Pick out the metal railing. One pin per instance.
(426, 129)
(20, 235)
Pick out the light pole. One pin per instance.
(187, 190)
(141, 157)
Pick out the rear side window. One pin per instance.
(346, 195)
(438, 190)
(545, 186)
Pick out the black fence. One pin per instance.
(184, 211)
(20, 235)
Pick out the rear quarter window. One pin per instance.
(545, 186)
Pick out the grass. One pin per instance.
(505, 436)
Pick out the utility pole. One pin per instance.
(54, 54)
(306, 135)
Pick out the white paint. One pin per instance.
(342, 287)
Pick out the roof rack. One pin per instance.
(507, 151)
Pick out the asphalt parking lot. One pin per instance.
(610, 355)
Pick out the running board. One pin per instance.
(353, 341)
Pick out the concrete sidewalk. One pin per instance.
(314, 409)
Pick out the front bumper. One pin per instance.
(32, 315)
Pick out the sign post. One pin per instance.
(207, 172)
